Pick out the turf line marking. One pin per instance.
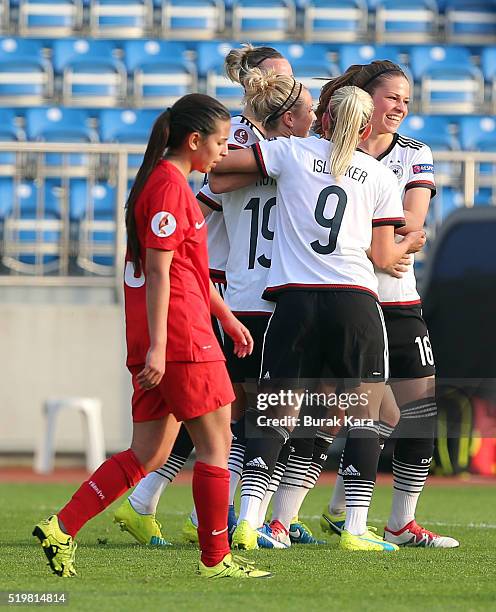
(437, 523)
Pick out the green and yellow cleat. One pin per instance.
(143, 527)
(245, 537)
(59, 547)
(332, 523)
(189, 531)
(300, 533)
(232, 567)
(367, 541)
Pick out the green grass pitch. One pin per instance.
(116, 574)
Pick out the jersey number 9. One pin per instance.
(334, 224)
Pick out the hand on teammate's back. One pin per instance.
(416, 240)
(240, 335)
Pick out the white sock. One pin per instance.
(145, 497)
(263, 507)
(287, 503)
(356, 520)
(249, 510)
(194, 517)
(403, 509)
(337, 503)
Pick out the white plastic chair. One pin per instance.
(91, 411)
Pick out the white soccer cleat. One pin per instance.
(415, 535)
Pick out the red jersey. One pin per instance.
(168, 218)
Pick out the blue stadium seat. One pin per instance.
(364, 54)
(91, 74)
(50, 18)
(58, 124)
(434, 130)
(485, 196)
(446, 200)
(33, 229)
(488, 65)
(161, 71)
(479, 134)
(471, 22)
(6, 197)
(127, 126)
(449, 82)
(311, 64)
(210, 65)
(26, 76)
(404, 21)
(263, 19)
(97, 226)
(193, 19)
(335, 20)
(121, 18)
(437, 133)
(9, 132)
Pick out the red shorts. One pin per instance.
(187, 390)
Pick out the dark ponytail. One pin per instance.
(191, 113)
(365, 76)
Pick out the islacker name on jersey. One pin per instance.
(322, 166)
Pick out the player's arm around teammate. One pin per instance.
(176, 364)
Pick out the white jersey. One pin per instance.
(412, 163)
(218, 247)
(323, 227)
(248, 220)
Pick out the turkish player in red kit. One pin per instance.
(177, 367)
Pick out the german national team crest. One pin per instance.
(398, 170)
(241, 136)
(163, 224)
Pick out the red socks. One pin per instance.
(211, 495)
(110, 481)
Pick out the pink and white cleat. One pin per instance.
(415, 535)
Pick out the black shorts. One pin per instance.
(410, 352)
(248, 368)
(339, 334)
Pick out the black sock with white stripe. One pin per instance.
(261, 456)
(236, 457)
(294, 486)
(323, 442)
(145, 497)
(359, 471)
(385, 432)
(412, 459)
(275, 481)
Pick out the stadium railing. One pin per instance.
(88, 247)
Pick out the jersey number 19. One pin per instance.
(254, 206)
